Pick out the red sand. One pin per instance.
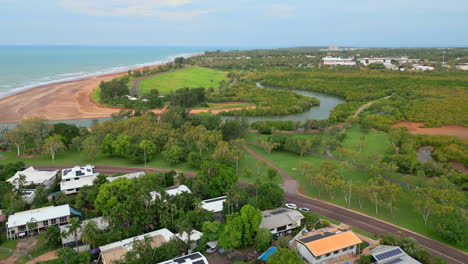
(416, 128)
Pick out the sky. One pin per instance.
(260, 23)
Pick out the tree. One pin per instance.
(330, 177)
(32, 225)
(90, 148)
(69, 256)
(452, 226)
(77, 143)
(37, 128)
(262, 240)
(66, 131)
(269, 196)
(375, 188)
(266, 145)
(224, 153)
(53, 236)
(174, 154)
(73, 228)
(90, 234)
(52, 145)
(16, 137)
(215, 178)
(425, 203)
(284, 256)
(271, 173)
(251, 220)
(231, 237)
(282, 242)
(390, 194)
(149, 148)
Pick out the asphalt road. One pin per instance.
(338, 213)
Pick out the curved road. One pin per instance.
(349, 217)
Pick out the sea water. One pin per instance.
(24, 67)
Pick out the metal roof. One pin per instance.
(214, 205)
(279, 217)
(33, 176)
(37, 215)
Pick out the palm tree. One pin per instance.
(410, 245)
(75, 225)
(90, 234)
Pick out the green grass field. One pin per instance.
(191, 77)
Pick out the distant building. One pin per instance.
(17, 225)
(281, 220)
(128, 176)
(34, 177)
(384, 254)
(422, 67)
(194, 258)
(327, 245)
(463, 67)
(214, 205)
(367, 61)
(68, 241)
(334, 61)
(172, 191)
(77, 177)
(117, 250)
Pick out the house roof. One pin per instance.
(41, 214)
(327, 240)
(193, 258)
(101, 224)
(117, 250)
(73, 184)
(214, 204)
(128, 176)
(391, 255)
(33, 176)
(77, 171)
(194, 236)
(279, 217)
(171, 191)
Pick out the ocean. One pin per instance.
(25, 67)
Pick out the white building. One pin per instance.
(334, 61)
(281, 220)
(328, 245)
(194, 238)
(389, 254)
(77, 177)
(194, 258)
(367, 61)
(171, 191)
(117, 250)
(34, 177)
(28, 195)
(17, 225)
(422, 67)
(101, 224)
(214, 205)
(128, 176)
(463, 67)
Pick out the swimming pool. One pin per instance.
(267, 253)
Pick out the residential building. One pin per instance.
(68, 241)
(367, 61)
(194, 238)
(117, 250)
(77, 177)
(328, 245)
(171, 191)
(34, 177)
(214, 205)
(281, 220)
(128, 176)
(384, 254)
(422, 67)
(17, 225)
(463, 67)
(194, 258)
(28, 195)
(334, 61)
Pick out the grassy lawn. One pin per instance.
(191, 77)
(364, 233)
(4, 254)
(10, 244)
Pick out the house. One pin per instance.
(194, 258)
(34, 177)
(194, 238)
(281, 220)
(422, 67)
(128, 176)
(327, 245)
(28, 195)
(117, 250)
(384, 254)
(68, 241)
(17, 225)
(75, 178)
(171, 191)
(367, 61)
(214, 205)
(334, 61)
(463, 67)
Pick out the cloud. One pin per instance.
(282, 10)
(162, 9)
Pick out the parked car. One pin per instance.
(304, 209)
(291, 206)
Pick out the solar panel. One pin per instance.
(388, 254)
(393, 261)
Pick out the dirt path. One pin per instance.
(23, 245)
(47, 256)
(417, 128)
(362, 107)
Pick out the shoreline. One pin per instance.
(66, 100)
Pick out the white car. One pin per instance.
(291, 206)
(304, 209)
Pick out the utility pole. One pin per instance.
(350, 189)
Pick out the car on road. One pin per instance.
(291, 206)
(304, 209)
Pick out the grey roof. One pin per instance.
(384, 254)
(279, 217)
